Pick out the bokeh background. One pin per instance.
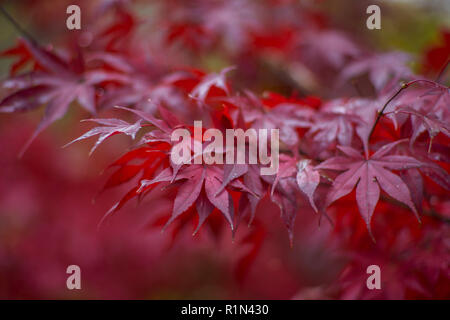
(50, 207)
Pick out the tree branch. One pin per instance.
(380, 113)
(402, 87)
(17, 26)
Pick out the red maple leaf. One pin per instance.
(63, 83)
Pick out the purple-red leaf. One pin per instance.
(200, 91)
(369, 175)
(111, 127)
(307, 180)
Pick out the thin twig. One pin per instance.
(380, 113)
(430, 213)
(433, 214)
(17, 26)
(403, 87)
(441, 73)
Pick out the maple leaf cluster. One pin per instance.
(339, 154)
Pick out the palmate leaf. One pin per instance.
(57, 87)
(316, 45)
(198, 184)
(369, 174)
(287, 117)
(380, 67)
(20, 52)
(285, 199)
(249, 201)
(428, 110)
(231, 172)
(292, 176)
(128, 166)
(440, 106)
(422, 121)
(286, 169)
(334, 127)
(111, 127)
(307, 179)
(187, 194)
(217, 80)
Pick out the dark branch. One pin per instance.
(433, 214)
(403, 87)
(442, 72)
(380, 113)
(17, 26)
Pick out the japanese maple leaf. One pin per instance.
(140, 91)
(293, 175)
(273, 99)
(190, 34)
(436, 107)
(20, 51)
(234, 21)
(339, 120)
(380, 67)
(411, 98)
(165, 125)
(286, 117)
(287, 168)
(213, 80)
(422, 121)
(248, 204)
(440, 106)
(231, 172)
(307, 180)
(284, 191)
(116, 36)
(413, 179)
(285, 197)
(145, 159)
(192, 180)
(206, 186)
(246, 108)
(316, 45)
(430, 97)
(144, 96)
(111, 127)
(368, 174)
(57, 88)
(163, 132)
(430, 168)
(155, 154)
(334, 127)
(428, 109)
